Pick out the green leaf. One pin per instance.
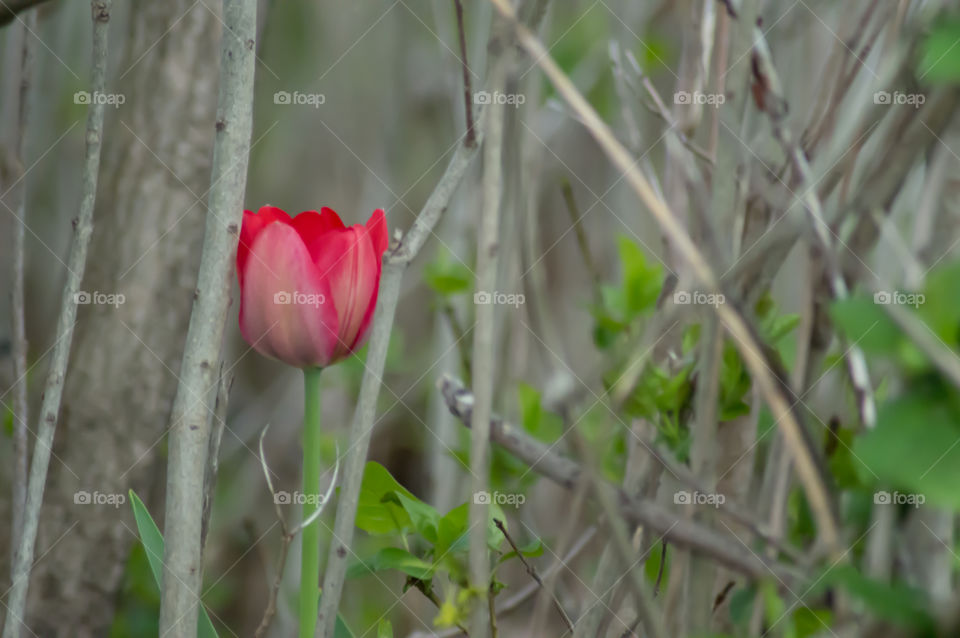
(401, 560)
(642, 280)
(865, 323)
(532, 549)
(374, 514)
(384, 629)
(447, 276)
(152, 540)
(940, 61)
(914, 447)
(897, 603)
(543, 425)
(423, 517)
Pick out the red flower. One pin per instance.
(308, 285)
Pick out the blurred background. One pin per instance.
(360, 105)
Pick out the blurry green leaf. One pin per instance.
(897, 603)
(152, 541)
(940, 57)
(939, 305)
(865, 323)
(914, 447)
(447, 275)
(642, 280)
(741, 605)
(543, 425)
(384, 629)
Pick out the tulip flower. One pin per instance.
(308, 288)
(308, 285)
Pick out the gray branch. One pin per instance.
(18, 208)
(53, 390)
(190, 427)
(396, 261)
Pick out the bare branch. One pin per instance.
(18, 208)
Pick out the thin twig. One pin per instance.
(533, 572)
(395, 262)
(809, 467)
(287, 534)
(471, 139)
(53, 390)
(190, 422)
(582, 241)
(21, 412)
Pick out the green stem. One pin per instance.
(310, 554)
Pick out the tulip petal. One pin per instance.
(377, 230)
(287, 309)
(311, 224)
(377, 227)
(346, 258)
(253, 224)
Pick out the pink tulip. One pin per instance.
(308, 285)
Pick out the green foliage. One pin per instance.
(637, 294)
(447, 276)
(435, 548)
(897, 603)
(940, 58)
(539, 423)
(914, 448)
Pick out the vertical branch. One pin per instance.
(396, 262)
(190, 428)
(471, 138)
(484, 342)
(53, 390)
(21, 414)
